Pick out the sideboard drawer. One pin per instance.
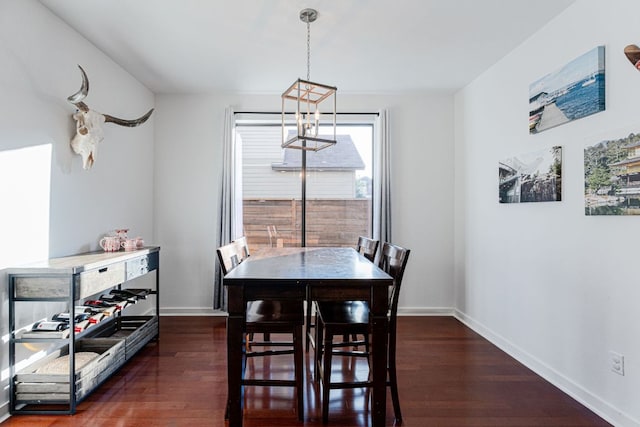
(94, 281)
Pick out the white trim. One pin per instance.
(603, 409)
(208, 311)
(191, 311)
(4, 411)
(425, 311)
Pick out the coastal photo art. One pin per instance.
(532, 177)
(572, 92)
(612, 177)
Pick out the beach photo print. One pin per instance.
(574, 91)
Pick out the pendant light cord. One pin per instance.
(308, 51)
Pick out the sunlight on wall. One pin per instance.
(21, 364)
(25, 187)
(25, 182)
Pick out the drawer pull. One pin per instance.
(105, 354)
(102, 270)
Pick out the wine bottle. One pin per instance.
(135, 293)
(79, 327)
(49, 326)
(108, 311)
(86, 309)
(117, 299)
(98, 303)
(96, 318)
(64, 317)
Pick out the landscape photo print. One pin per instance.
(531, 177)
(572, 92)
(612, 177)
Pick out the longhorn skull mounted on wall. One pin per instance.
(89, 124)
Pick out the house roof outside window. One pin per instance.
(343, 156)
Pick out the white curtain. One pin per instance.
(228, 204)
(382, 180)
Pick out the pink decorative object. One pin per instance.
(110, 243)
(129, 244)
(121, 233)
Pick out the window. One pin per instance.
(339, 181)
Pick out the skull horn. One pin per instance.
(128, 123)
(76, 98)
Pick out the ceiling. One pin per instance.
(259, 46)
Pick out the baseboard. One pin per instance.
(603, 409)
(4, 412)
(425, 311)
(208, 311)
(191, 311)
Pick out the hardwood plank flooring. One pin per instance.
(448, 376)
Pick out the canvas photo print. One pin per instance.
(612, 177)
(532, 177)
(574, 91)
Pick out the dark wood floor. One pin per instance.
(448, 376)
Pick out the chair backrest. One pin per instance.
(367, 247)
(229, 256)
(393, 260)
(243, 248)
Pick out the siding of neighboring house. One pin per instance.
(261, 149)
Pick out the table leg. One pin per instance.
(379, 342)
(234, 356)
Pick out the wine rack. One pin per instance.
(108, 338)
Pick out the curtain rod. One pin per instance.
(293, 112)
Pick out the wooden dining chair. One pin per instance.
(229, 257)
(367, 247)
(242, 247)
(268, 317)
(340, 319)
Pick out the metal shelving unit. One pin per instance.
(69, 280)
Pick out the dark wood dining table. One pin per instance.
(321, 274)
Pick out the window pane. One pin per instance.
(338, 192)
(339, 189)
(271, 198)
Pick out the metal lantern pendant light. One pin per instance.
(307, 97)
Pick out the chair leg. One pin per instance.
(318, 351)
(299, 371)
(244, 363)
(308, 325)
(327, 351)
(367, 349)
(393, 383)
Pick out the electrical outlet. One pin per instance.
(616, 361)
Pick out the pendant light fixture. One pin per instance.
(306, 96)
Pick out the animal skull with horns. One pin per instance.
(89, 124)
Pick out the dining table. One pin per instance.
(312, 274)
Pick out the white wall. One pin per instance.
(49, 206)
(188, 149)
(557, 289)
